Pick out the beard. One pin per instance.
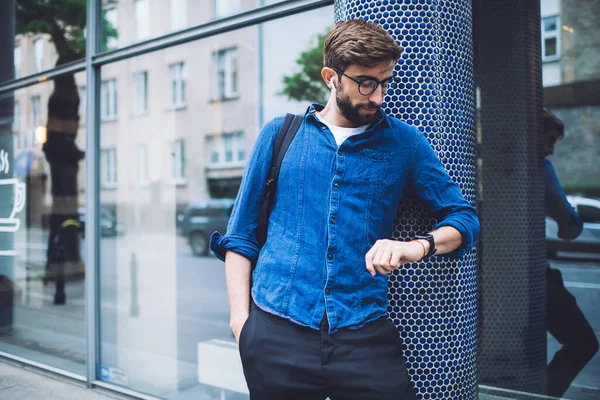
(352, 111)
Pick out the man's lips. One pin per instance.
(370, 110)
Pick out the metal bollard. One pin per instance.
(134, 309)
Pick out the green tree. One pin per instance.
(64, 21)
(307, 84)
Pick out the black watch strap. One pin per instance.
(429, 238)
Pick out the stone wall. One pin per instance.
(577, 156)
(580, 34)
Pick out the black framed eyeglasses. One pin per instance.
(369, 85)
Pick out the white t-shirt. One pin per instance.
(340, 134)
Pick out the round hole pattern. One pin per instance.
(433, 303)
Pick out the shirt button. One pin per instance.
(330, 256)
(332, 220)
(339, 152)
(336, 184)
(328, 291)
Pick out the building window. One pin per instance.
(38, 52)
(226, 74)
(213, 154)
(227, 7)
(140, 80)
(36, 113)
(108, 167)
(142, 19)
(178, 13)
(177, 72)
(82, 104)
(178, 161)
(141, 167)
(550, 38)
(16, 126)
(108, 103)
(112, 17)
(17, 61)
(226, 150)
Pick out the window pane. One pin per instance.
(550, 47)
(195, 154)
(178, 13)
(572, 42)
(17, 60)
(142, 19)
(161, 17)
(34, 51)
(550, 24)
(42, 260)
(111, 30)
(38, 53)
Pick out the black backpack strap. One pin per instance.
(284, 138)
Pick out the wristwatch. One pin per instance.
(429, 238)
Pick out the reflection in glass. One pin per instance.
(177, 72)
(142, 19)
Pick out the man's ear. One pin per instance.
(329, 76)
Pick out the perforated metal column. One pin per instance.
(512, 257)
(433, 304)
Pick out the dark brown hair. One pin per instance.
(357, 41)
(553, 123)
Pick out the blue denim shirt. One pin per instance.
(570, 224)
(331, 205)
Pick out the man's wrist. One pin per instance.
(422, 245)
(431, 248)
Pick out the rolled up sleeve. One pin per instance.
(241, 228)
(433, 185)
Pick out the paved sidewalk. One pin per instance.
(22, 383)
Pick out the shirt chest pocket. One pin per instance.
(374, 166)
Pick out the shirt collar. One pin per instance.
(382, 118)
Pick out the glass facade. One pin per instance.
(171, 120)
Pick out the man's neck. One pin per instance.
(332, 115)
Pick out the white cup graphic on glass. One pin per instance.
(8, 222)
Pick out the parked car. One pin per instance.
(589, 240)
(202, 219)
(109, 226)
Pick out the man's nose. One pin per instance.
(377, 96)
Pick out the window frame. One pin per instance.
(140, 83)
(217, 144)
(226, 62)
(108, 168)
(550, 35)
(108, 106)
(177, 81)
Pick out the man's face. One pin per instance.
(354, 106)
(552, 136)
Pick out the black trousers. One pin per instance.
(285, 361)
(571, 329)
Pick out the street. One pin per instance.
(158, 301)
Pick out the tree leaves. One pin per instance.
(308, 85)
(65, 22)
